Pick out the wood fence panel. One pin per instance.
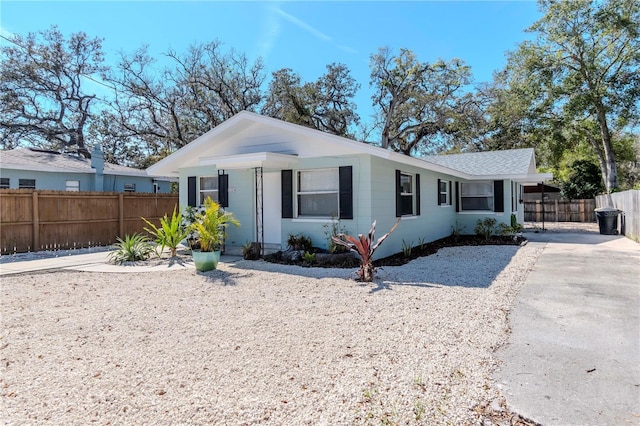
(63, 220)
(629, 203)
(560, 211)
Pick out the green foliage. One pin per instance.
(299, 242)
(332, 229)
(170, 233)
(133, 248)
(310, 258)
(364, 247)
(407, 248)
(456, 232)
(486, 228)
(585, 181)
(211, 225)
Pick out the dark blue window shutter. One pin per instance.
(287, 193)
(457, 195)
(498, 196)
(417, 194)
(398, 196)
(192, 193)
(223, 189)
(450, 193)
(438, 192)
(345, 179)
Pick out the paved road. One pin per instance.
(574, 354)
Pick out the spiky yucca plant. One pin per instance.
(134, 247)
(364, 247)
(171, 231)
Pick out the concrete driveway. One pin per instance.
(573, 357)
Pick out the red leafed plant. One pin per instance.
(364, 247)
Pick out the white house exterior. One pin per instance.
(280, 179)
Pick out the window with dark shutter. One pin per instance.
(417, 196)
(405, 194)
(346, 192)
(287, 193)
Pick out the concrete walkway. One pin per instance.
(573, 357)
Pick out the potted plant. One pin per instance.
(210, 225)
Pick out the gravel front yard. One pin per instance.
(258, 343)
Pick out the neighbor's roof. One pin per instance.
(493, 163)
(50, 161)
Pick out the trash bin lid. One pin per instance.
(607, 209)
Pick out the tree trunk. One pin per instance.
(611, 177)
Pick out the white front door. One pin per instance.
(272, 208)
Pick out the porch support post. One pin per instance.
(259, 209)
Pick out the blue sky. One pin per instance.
(304, 36)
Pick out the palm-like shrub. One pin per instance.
(364, 247)
(211, 224)
(170, 233)
(133, 248)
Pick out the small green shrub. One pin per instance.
(310, 258)
(133, 248)
(407, 248)
(299, 242)
(170, 233)
(486, 228)
(333, 229)
(456, 232)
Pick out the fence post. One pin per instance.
(121, 215)
(36, 222)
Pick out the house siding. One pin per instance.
(433, 222)
(57, 181)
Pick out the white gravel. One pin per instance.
(258, 343)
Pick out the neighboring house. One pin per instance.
(280, 179)
(31, 168)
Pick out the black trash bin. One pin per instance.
(608, 220)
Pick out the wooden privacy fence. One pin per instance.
(629, 203)
(53, 220)
(560, 211)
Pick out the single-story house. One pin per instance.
(282, 179)
(31, 168)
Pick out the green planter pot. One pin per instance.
(206, 260)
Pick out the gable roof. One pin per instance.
(51, 161)
(493, 163)
(250, 134)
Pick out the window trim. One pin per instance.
(298, 193)
(492, 196)
(448, 202)
(129, 187)
(75, 187)
(201, 198)
(5, 183)
(23, 185)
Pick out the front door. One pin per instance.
(272, 208)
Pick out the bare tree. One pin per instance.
(43, 84)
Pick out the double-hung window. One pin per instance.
(406, 194)
(72, 185)
(208, 188)
(444, 192)
(27, 183)
(129, 187)
(4, 183)
(476, 196)
(318, 193)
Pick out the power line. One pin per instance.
(87, 76)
